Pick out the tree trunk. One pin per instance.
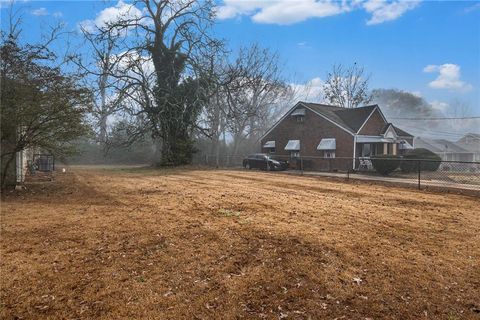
(217, 123)
(157, 143)
(5, 170)
(103, 107)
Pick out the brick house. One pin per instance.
(316, 131)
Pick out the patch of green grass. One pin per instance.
(244, 221)
(229, 213)
(452, 316)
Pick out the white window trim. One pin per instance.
(331, 154)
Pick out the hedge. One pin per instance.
(410, 162)
(385, 163)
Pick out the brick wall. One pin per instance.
(374, 125)
(309, 132)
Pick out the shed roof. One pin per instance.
(327, 144)
(293, 145)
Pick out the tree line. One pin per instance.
(158, 75)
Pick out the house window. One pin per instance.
(329, 154)
(294, 154)
(300, 119)
(269, 146)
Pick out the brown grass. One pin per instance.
(193, 244)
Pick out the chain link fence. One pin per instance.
(421, 173)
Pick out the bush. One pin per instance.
(410, 163)
(385, 164)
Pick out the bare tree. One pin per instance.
(212, 122)
(347, 87)
(254, 90)
(173, 35)
(98, 68)
(461, 112)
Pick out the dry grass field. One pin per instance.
(204, 244)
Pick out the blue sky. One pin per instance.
(428, 48)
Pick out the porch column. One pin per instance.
(394, 149)
(385, 148)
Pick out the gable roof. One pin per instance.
(472, 146)
(351, 119)
(439, 145)
(449, 146)
(401, 132)
(427, 144)
(473, 135)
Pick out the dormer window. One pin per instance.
(299, 114)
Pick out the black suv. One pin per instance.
(264, 161)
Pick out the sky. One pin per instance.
(428, 48)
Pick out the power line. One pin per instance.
(432, 131)
(446, 118)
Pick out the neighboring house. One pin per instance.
(17, 162)
(447, 150)
(471, 143)
(324, 131)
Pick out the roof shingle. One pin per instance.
(351, 119)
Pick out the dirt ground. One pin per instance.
(202, 244)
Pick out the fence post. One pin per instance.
(419, 170)
(301, 164)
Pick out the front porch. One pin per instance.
(367, 147)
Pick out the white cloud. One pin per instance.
(284, 12)
(281, 12)
(289, 12)
(111, 14)
(383, 11)
(312, 91)
(448, 77)
(440, 106)
(233, 8)
(133, 60)
(417, 94)
(469, 9)
(40, 12)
